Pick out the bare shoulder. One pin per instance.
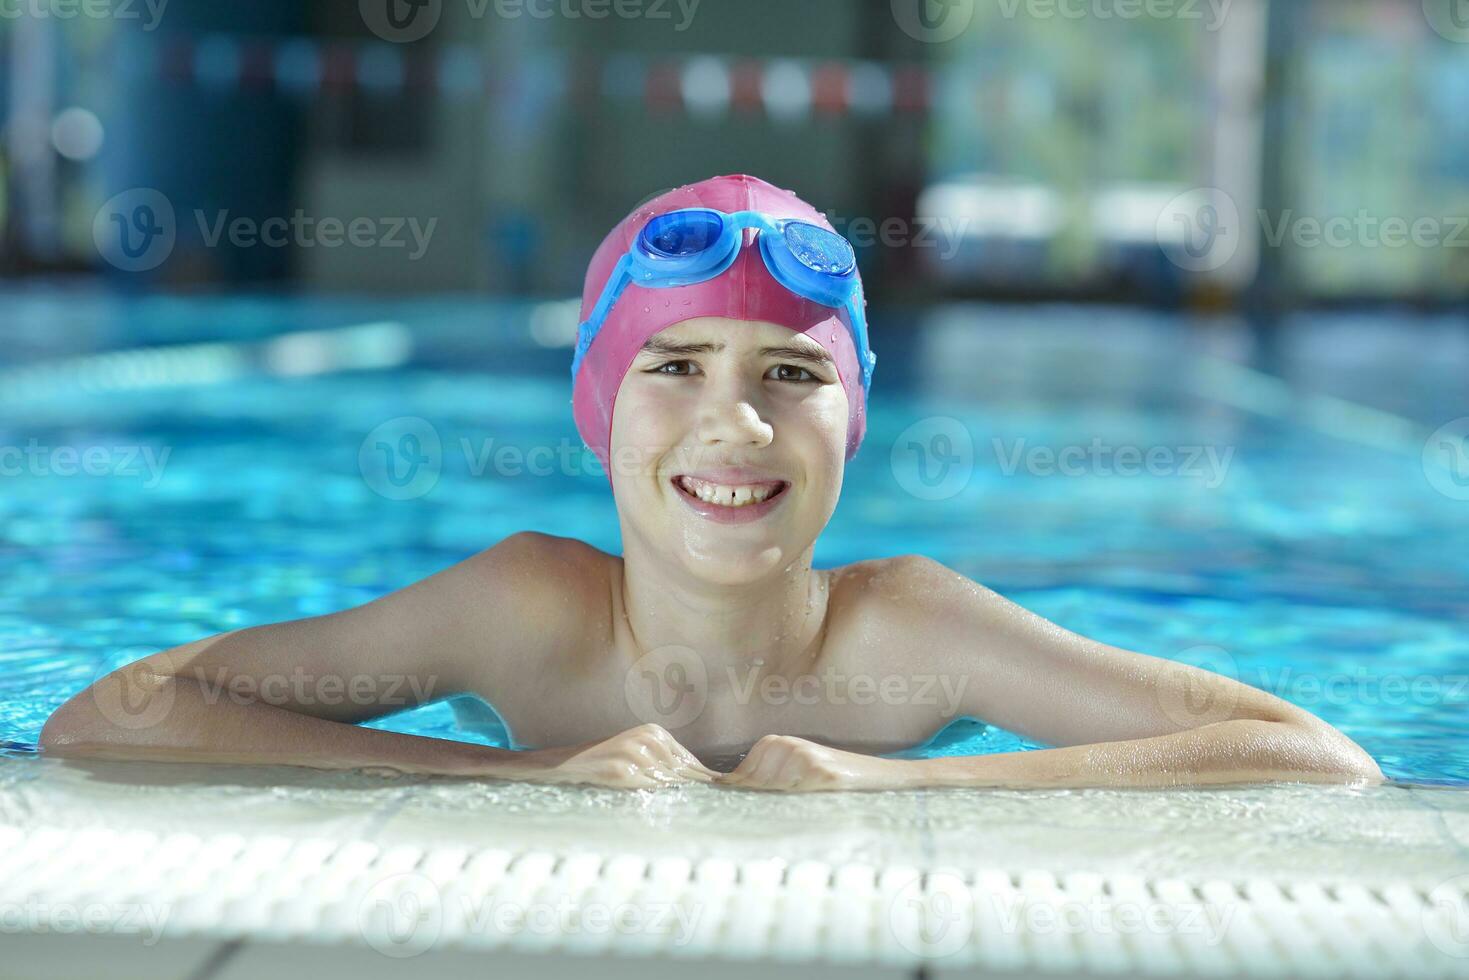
(916, 604)
(519, 603)
(542, 573)
(903, 587)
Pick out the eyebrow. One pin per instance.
(808, 352)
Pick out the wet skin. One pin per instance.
(711, 640)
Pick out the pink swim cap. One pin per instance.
(746, 291)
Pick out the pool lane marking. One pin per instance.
(365, 346)
(1267, 395)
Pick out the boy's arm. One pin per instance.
(289, 693)
(1120, 718)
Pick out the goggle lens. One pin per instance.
(682, 234)
(820, 250)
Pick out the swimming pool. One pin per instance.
(1265, 507)
(235, 476)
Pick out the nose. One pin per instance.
(728, 415)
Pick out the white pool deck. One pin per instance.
(168, 871)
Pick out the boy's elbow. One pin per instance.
(118, 709)
(1357, 766)
(1332, 755)
(71, 724)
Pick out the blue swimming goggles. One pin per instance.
(694, 245)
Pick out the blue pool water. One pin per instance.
(1317, 552)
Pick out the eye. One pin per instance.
(780, 370)
(661, 369)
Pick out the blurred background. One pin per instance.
(1016, 149)
(1169, 299)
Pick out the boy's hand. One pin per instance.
(785, 762)
(639, 758)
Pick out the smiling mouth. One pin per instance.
(731, 496)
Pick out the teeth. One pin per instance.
(727, 496)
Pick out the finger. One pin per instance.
(692, 761)
(751, 761)
(679, 758)
(768, 769)
(685, 757)
(690, 768)
(673, 763)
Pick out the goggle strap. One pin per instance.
(742, 220)
(587, 332)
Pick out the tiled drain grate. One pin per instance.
(404, 900)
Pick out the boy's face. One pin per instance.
(736, 411)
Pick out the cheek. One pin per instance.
(647, 422)
(827, 420)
